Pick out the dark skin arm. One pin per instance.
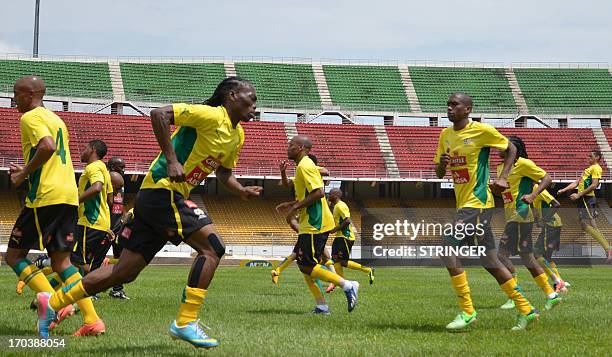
(545, 182)
(292, 207)
(444, 161)
(510, 155)
(594, 184)
(161, 119)
(227, 178)
(91, 192)
(44, 150)
(341, 226)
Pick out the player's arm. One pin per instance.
(313, 196)
(341, 226)
(91, 192)
(542, 185)
(323, 171)
(285, 181)
(227, 178)
(569, 187)
(443, 164)
(594, 184)
(44, 150)
(161, 119)
(509, 157)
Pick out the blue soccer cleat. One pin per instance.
(46, 315)
(351, 295)
(194, 334)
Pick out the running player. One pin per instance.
(545, 213)
(344, 238)
(208, 139)
(48, 220)
(586, 201)
(516, 239)
(287, 182)
(95, 193)
(315, 222)
(116, 167)
(465, 148)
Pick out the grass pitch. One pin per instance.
(403, 313)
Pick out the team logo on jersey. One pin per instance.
(467, 141)
(211, 163)
(458, 161)
(461, 176)
(507, 196)
(196, 176)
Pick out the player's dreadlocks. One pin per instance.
(521, 150)
(227, 85)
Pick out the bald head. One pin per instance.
(28, 93)
(462, 98)
(302, 140)
(335, 194)
(299, 146)
(116, 181)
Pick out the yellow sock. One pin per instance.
(71, 275)
(544, 264)
(356, 266)
(69, 294)
(326, 275)
(193, 298)
(314, 289)
(285, 263)
(113, 260)
(47, 270)
(339, 269)
(542, 281)
(329, 264)
(595, 233)
(29, 274)
(460, 284)
(521, 303)
(553, 266)
(54, 280)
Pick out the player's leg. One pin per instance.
(508, 246)
(117, 291)
(586, 212)
(348, 247)
(282, 266)
(339, 263)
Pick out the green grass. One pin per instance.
(403, 313)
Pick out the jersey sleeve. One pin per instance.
(440, 149)
(545, 196)
(94, 174)
(531, 170)
(195, 116)
(312, 178)
(231, 160)
(490, 137)
(34, 128)
(109, 185)
(344, 212)
(596, 172)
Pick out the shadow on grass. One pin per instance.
(270, 311)
(406, 326)
(16, 331)
(158, 349)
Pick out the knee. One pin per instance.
(218, 248)
(12, 257)
(305, 269)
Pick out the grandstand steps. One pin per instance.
(230, 69)
(386, 151)
(116, 81)
(291, 130)
(604, 146)
(413, 100)
(319, 75)
(605, 210)
(516, 91)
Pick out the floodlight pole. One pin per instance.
(36, 20)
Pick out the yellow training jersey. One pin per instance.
(523, 175)
(203, 140)
(542, 203)
(342, 213)
(95, 213)
(469, 166)
(590, 173)
(52, 183)
(316, 218)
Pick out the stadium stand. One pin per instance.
(10, 206)
(566, 91)
(351, 151)
(259, 138)
(64, 79)
(414, 148)
(488, 86)
(282, 85)
(170, 82)
(375, 88)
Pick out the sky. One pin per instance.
(435, 30)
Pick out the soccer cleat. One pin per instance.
(352, 295)
(41, 261)
(275, 276)
(62, 315)
(560, 286)
(330, 288)
(524, 320)
(118, 294)
(93, 329)
(461, 321)
(567, 284)
(318, 310)
(552, 303)
(95, 297)
(34, 304)
(46, 315)
(19, 287)
(193, 334)
(371, 276)
(508, 305)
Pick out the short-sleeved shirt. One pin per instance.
(523, 175)
(54, 182)
(316, 218)
(203, 140)
(341, 214)
(469, 149)
(542, 203)
(95, 213)
(590, 173)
